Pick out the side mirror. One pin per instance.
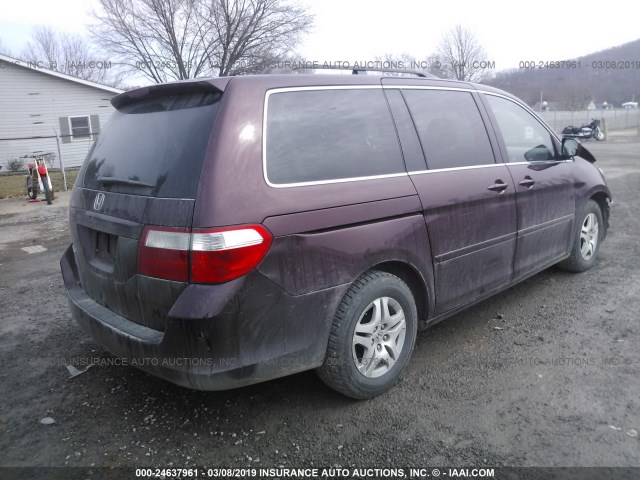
(538, 154)
(570, 147)
(573, 148)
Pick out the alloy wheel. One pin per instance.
(379, 337)
(589, 236)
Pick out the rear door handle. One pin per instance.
(527, 182)
(499, 186)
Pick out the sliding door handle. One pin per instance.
(499, 186)
(527, 182)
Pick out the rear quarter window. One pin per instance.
(332, 134)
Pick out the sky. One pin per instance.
(362, 30)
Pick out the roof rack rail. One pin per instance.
(358, 70)
(417, 73)
(354, 70)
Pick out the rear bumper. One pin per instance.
(217, 337)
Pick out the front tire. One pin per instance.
(372, 336)
(599, 135)
(588, 236)
(47, 191)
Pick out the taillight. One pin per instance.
(223, 254)
(202, 255)
(164, 253)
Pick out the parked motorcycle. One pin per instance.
(591, 130)
(38, 180)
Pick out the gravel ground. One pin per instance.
(544, 374)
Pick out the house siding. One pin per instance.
(32, 103)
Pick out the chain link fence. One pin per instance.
(620, 120)
(60, 152)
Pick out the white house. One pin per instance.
(37, 104)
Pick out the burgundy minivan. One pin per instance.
(234, 230)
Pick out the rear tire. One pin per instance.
(587, 237)
(372, 336)
(32, 192)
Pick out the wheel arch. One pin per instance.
(416, 283)
(603, 201)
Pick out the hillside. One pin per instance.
(611, 75)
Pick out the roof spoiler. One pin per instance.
(176, 88)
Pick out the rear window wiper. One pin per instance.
(122, 181)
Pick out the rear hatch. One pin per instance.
(144, 169)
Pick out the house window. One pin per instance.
(80, 127)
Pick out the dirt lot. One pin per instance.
(545, 374)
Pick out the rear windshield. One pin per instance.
(154, 147)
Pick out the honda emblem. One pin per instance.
(99, 201)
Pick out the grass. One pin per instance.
(15, 185)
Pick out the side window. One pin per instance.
(450, 128)
(321, 135)
(524, 136)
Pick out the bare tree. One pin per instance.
(250, 35)
(4, 49)
(436, 66)
(162, 39)
(178, 39)
(461, 55)
(69, 54)
(45, 48)
(391, 62)
(430, 65)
